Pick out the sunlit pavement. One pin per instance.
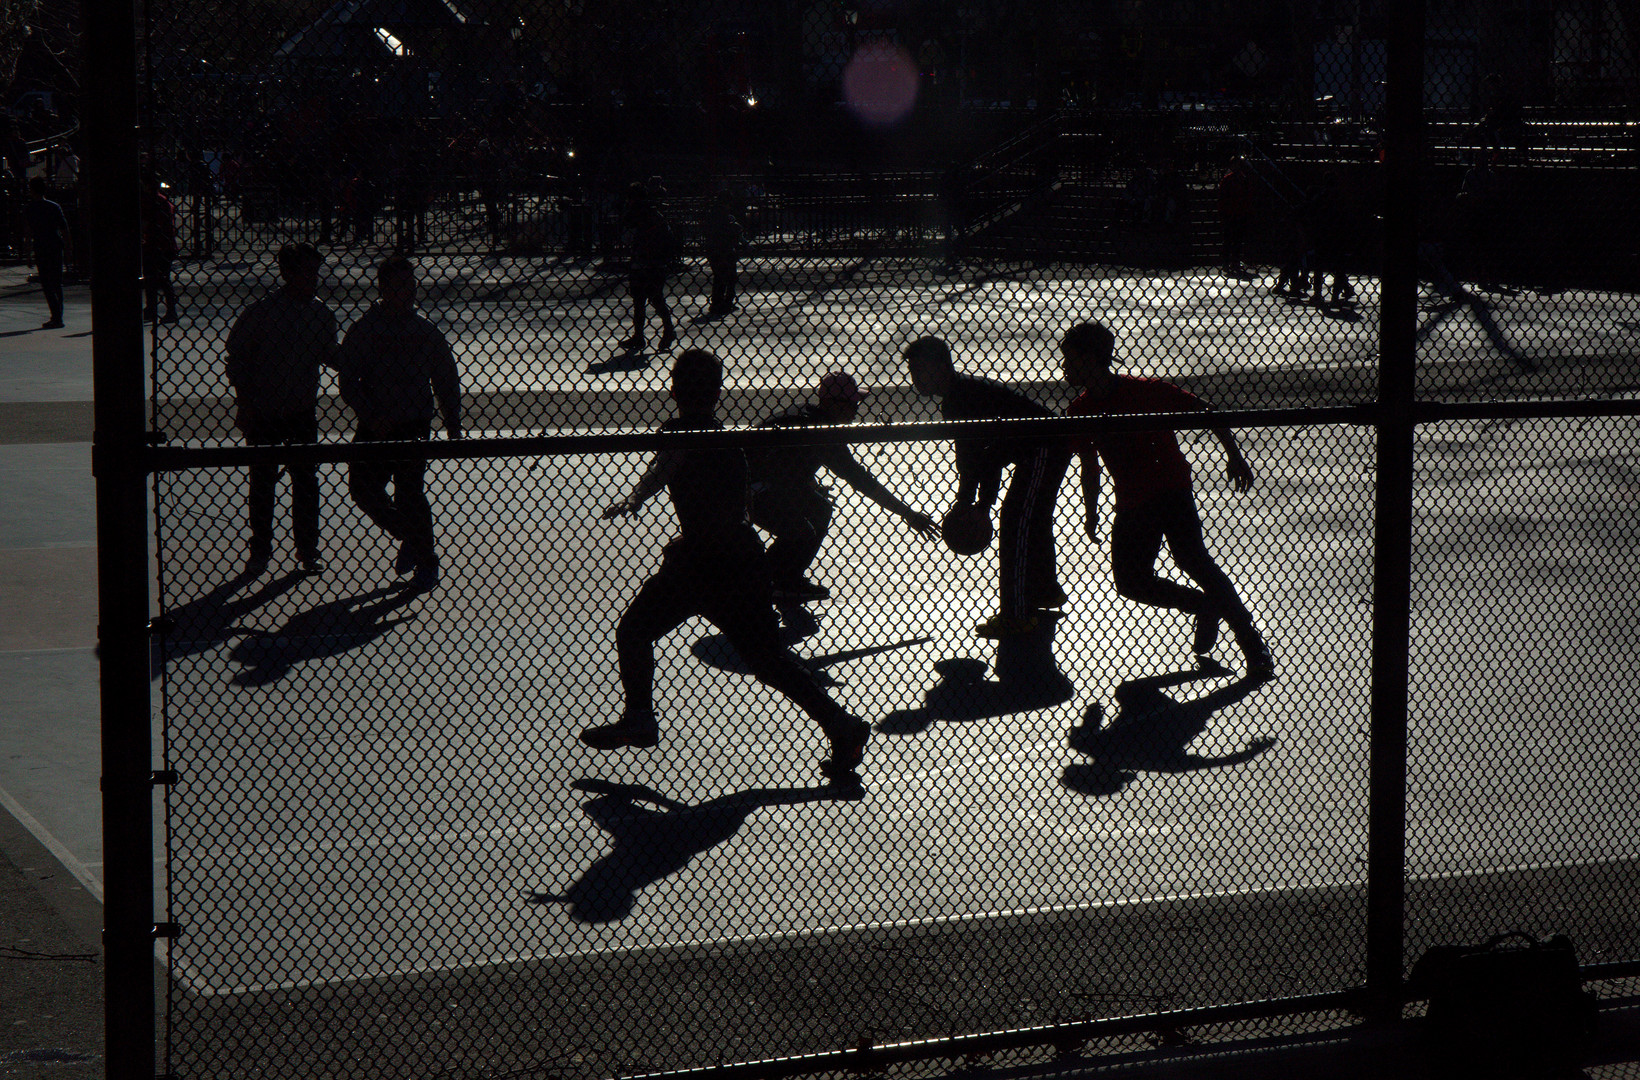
(989, 800)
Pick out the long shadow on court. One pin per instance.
(205, 622)
(655, 836)
(714, 650)
(1152, 731)
(1027, 679)
(329, 629)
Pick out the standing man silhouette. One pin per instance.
(1026, 562)
(395, 365)
(275, 353)
(654, 246)
(1155, 499)
(49, 227)
(721, 237)
(159, 250)
(714, 567)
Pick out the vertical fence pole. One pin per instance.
(109, 40)
(1392, 581)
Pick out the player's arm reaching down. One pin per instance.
(843, 464)
(1090, 493)
(1237, 470)
(650, 484)
(979, 473)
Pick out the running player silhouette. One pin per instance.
(1155, 499)
(715, 568)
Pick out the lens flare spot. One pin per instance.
(880, 84)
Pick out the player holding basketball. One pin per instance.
(1155, 499)
(1029, 577)
(715, 567)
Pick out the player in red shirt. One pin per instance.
(1155, 500)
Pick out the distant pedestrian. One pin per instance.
(1503, 117)
(276, 352)
(361, 199)
(1437, 220)
(1298, 258)
(1028, 574)
(159, 250)
(715, 567)
(202, 197)
(395, 367)
(1235, 214)
(792, 506)
(721, 239)
(48, 226)
(953, 208)
(1481, 226)
(1155, 498)
(653, 247)
(1331, 228)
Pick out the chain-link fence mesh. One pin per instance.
(391, 850)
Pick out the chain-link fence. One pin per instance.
(490, 759)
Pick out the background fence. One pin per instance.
(384, 848)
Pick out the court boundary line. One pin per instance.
(189, 977)
(74, 866)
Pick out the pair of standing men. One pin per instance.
(393, 365)
(1154, 493)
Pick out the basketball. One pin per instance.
(966, 530)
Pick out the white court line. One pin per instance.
(46, 652)
(385, 841)
(190, 976)
(437, 838)
(80, 870)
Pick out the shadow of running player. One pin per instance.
(328, 629)
(715, 650)
(1027, 679)
(655, 837)
(1151, 733)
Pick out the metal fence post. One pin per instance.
(1392, 581)
(118, 446)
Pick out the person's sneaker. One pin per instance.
(1003, 626)
(632, 729)
(1261, 666)
(405, 561)
(1206, 636)
(311, 566)
(1052, 597)
(848, 749)
(801, 590)
(54, 324)
(425, 577)
(797, 620)
(667, 340)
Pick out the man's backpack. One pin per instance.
(1511, 1007)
